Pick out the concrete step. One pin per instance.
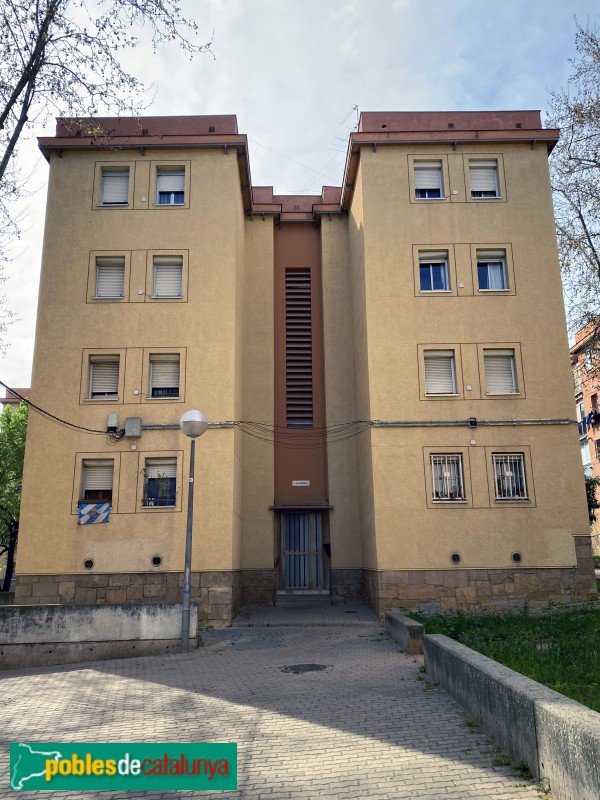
(302, 597)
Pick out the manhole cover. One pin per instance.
(298, 669)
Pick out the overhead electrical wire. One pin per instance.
(282, 436)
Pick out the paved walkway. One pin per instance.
(313, 614)
(370, 725)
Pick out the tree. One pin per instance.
(13, 429)
(61, 57)
(575, 175)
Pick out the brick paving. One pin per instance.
(368, 726)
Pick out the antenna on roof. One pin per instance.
(353, 110)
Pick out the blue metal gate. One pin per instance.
(302, 551)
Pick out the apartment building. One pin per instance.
(385, 367)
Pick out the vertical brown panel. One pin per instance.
(300, 444)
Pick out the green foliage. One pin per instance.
(591, 484)
(13, 428)
(560, 649)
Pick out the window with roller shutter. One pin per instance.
(484, 179)
(104, 377)
(164, 376)
(168, 272)
(440, 372)
(500, 374)
(170, 186)
(428, 180)
(115, 187)
(97, 480)
(160, 482)
(110, 278)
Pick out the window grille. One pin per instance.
(509, 476)
(298, 349)
(447, 477)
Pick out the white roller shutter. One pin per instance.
(161, 467)
(168, 272)
(500, 372)
(428, 175)
(484, 177)
(115, 187)
(110, 277)
(439, 373)
(172, 180)
(164, 375)
(98, 475)
(104, 377)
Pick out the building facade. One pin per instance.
(385, 367)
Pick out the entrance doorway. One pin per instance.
(302, 550)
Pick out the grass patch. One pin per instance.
(560, 649)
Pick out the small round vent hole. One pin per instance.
(156, 561)
(455, 558)
(517, 558)
(88, 563)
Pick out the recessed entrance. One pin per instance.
(302, 550)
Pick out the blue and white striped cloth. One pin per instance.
(93, 512)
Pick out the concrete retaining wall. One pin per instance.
(556, 737)
(406, 631)
(56, 634)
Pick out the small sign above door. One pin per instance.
(300, 483)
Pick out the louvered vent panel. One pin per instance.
(298, 349)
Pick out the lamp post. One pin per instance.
(193, 424)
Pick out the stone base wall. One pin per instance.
(217, 594)
(258, 587)
(494, 590)
(347, 584)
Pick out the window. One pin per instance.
(164, 376)
(500, 377)
(509, 476)
(168, 272)
(447, 477)
(433, 272)
(110, 278)
(428, 180)
(491, 271)
(440, 373)
(170, 186)
(581, 424)
(597, 449)
(484, 179)
(104, 377)
(160, 482)
(115, 187)
(97, 480)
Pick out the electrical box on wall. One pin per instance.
(133, 427)
(112, 423)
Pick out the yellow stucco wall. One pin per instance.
(401, 322)
(205, 328)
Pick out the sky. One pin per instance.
(293, 73)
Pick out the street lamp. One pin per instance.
(193, 424)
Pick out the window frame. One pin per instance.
(96, 255)
(103, 359)
(472, 159)
(508, 353)
(490, 166)
(78, 477)
(100, 463)
(163, 358)
(156, 168)
(431, 258)
(487, 258)
(98, 265)
(520, 459)
(422, 166)
(462, 498)
(449, 354)
(143, 457)
(157, 258)
(170, 465)
(103, 168)
(515, 347)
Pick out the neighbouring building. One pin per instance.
(385, 365)
(586, 378)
